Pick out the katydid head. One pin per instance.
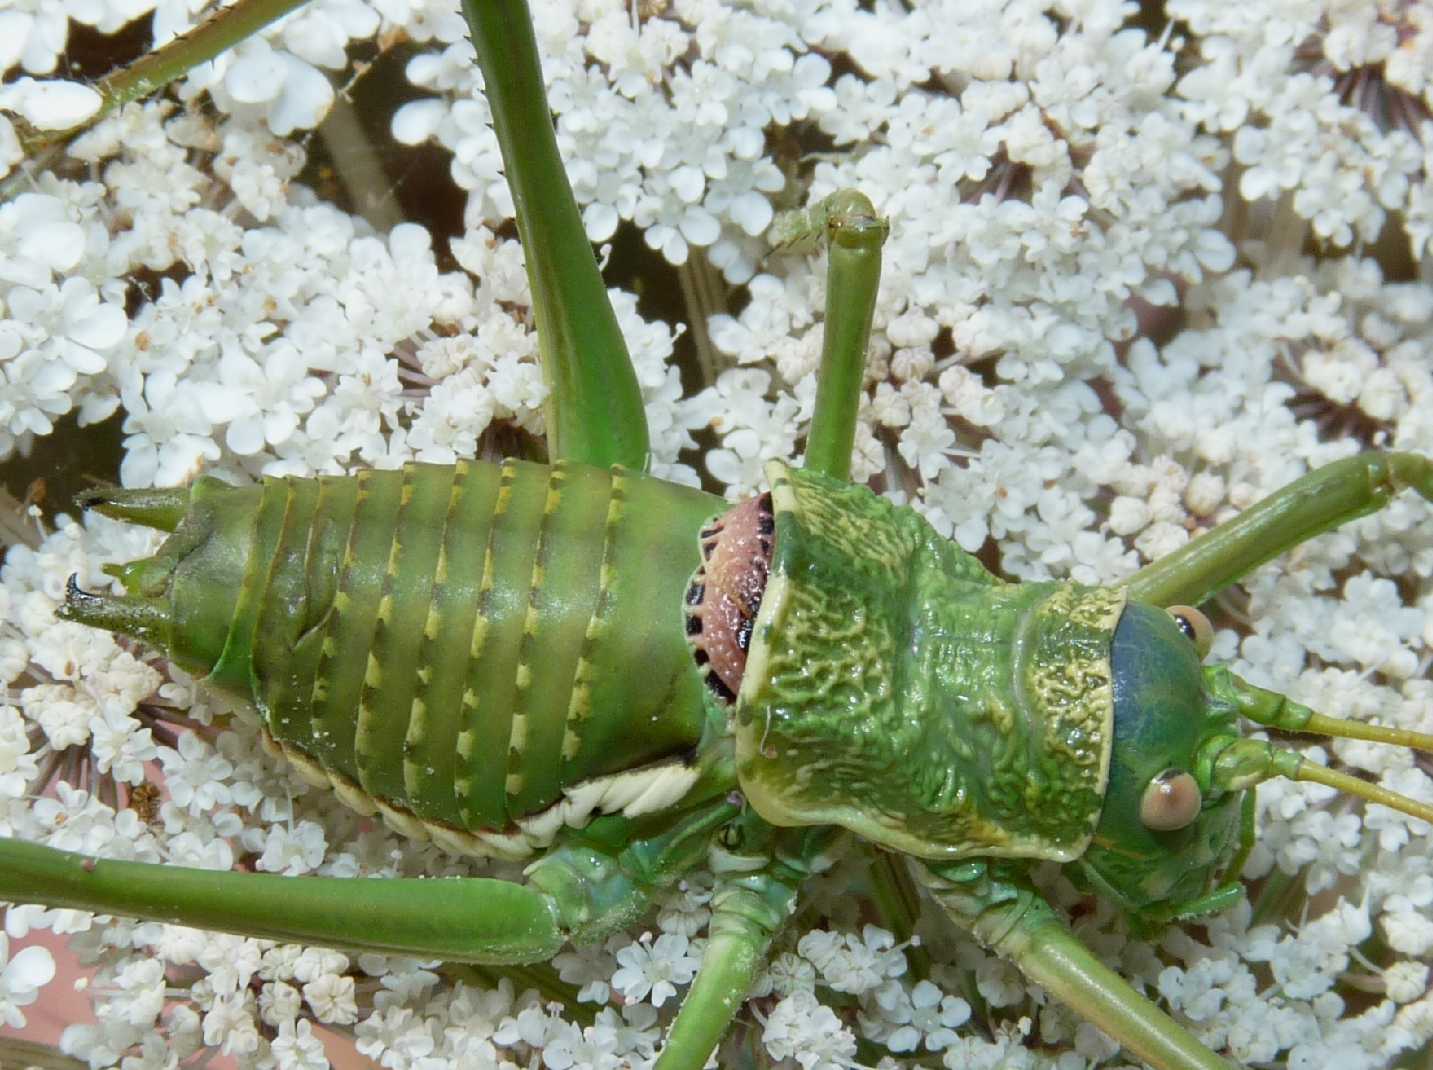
(1164, 830)
(1181, 771)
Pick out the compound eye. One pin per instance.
(1171, 801)
(1196, 627)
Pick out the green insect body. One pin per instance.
(522, 636)
(484, 622)
(628, 680)
(517, 633)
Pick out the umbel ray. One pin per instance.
(454, 649)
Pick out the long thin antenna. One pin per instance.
(1277, 711)
(1377, 733)
(1352, 785)
(1245, 762)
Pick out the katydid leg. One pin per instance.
(576, 893)
(1323, 499)
(749, 907)
(1046, 952)
(746, 916)
(854, 235)
(461, 920)
(594, 406)
(1011, 919)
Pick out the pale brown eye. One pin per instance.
(1195, 625)
(1171, 801)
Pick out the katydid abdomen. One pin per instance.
(455, 645)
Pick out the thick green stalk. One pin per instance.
(594, 407)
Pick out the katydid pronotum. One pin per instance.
(829, 667)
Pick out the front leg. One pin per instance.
(755, 895)
(1319, 501)
(1011, 919)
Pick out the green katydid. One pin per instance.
(829, 665)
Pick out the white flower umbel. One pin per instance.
(1102, 328)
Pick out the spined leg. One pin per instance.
(1321, 500)
(577, 893)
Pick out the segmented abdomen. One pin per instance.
(461, 643)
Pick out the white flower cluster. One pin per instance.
(1328, 106)
(352, 348)
(1099, 332)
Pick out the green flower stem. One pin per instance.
(154, 71)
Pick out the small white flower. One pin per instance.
(1406, 981)
(119, 745)
(17, 764)
(290, 93)
(195, 775)
(21, 979)
(395, 1036)
(654, 967)
(332, 998)
(140, 988)
(296, 1047)
(801, 1028)
(293, 851)
(50, 105)
(999, 982)
(925, 1015)
(278, 1003)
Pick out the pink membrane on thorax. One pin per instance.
(726, 591)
